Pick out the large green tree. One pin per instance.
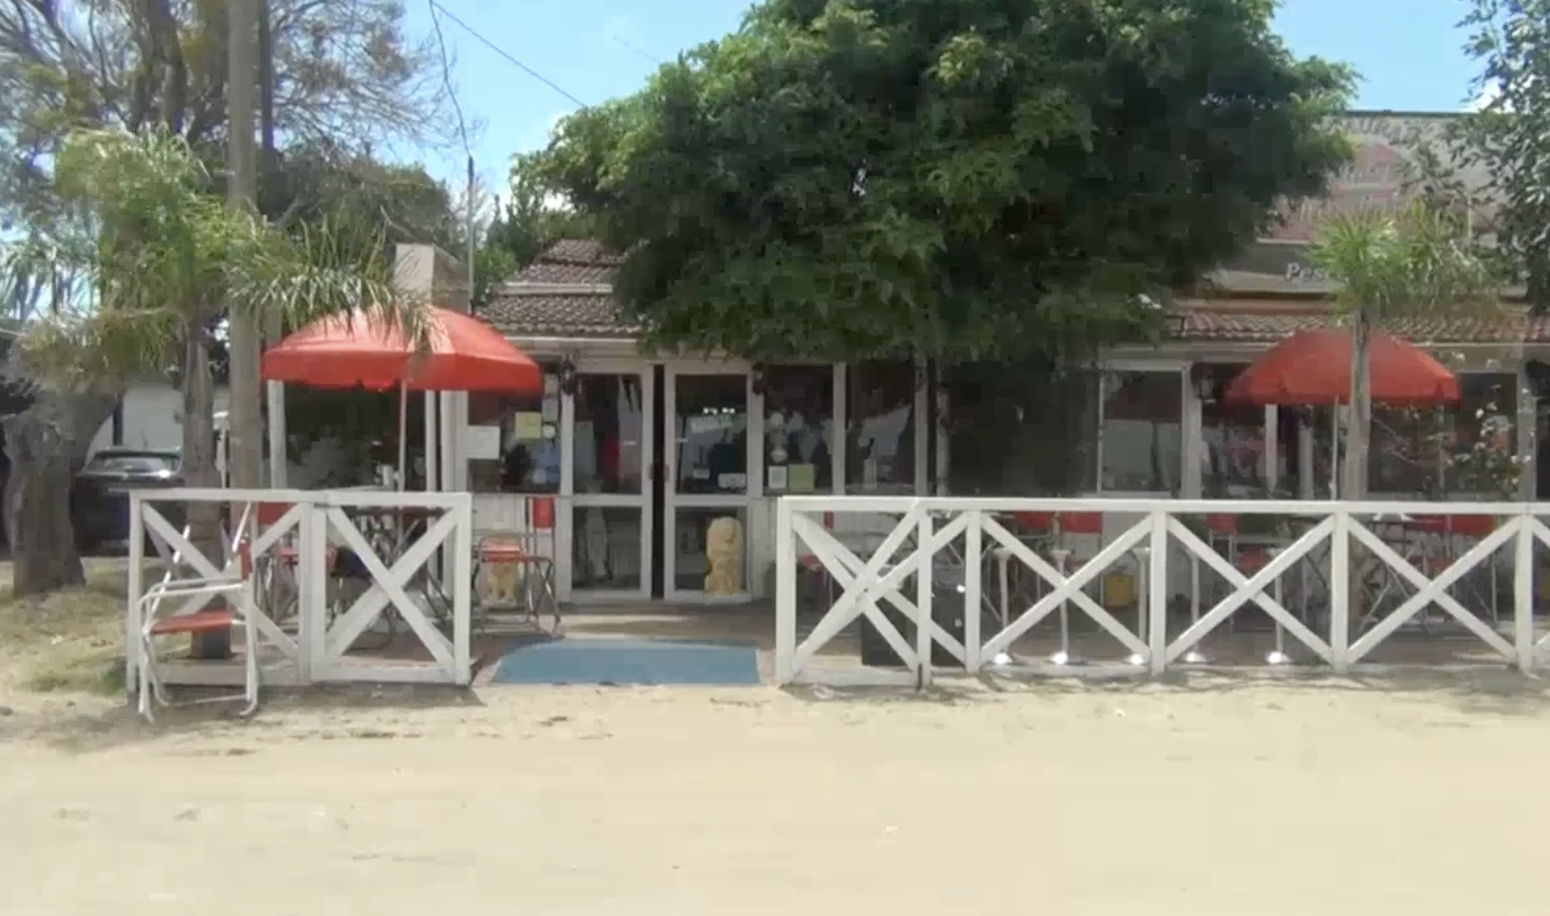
(967, 178)
(525, 223)
(1509, 136)
(155, 249)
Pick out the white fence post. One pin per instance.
(1523, 594)
(1157, 599)
(1340, 593)
(785, 593)
(973, 544)
(136, 589)
(312, 603)
(923, 589)
(462, 588)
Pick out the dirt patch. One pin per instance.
(69, 641)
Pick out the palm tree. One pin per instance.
(164, 261)
(1421, 261)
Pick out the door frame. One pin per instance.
(574, 503)
(672, 500)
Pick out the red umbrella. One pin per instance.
(464, 354)
(1314, 367)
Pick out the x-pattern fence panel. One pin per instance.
(1338, 541)
(311, 533)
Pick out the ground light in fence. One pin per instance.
(1402, 566)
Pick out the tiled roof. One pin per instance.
(556, 314)
(537, 303)
(1267, 321)
(582, 261)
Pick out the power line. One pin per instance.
(638, 51)
(446, 77)
(437, 7)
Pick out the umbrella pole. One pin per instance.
(1334, 451)
(403, 434)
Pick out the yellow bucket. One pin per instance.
(1119, 589)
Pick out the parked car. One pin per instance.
(99, 499)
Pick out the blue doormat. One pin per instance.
(628, 661)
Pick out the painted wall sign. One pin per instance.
(1380, 177)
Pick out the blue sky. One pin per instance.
(1408, 52)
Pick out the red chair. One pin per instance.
(1067, 561)
(1445, 531)
(530, 550)
(1032, 528)
(224, 606)
(1222, 528)
(809, 563)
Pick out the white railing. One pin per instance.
(309, 609)
(1320, 551)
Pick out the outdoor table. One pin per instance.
(387, 529)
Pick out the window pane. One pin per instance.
(1405, 451)
(1482, 459)
(605, 548)
(1022, 430)
(1232, 456)
(798, 429)
(528, 429)
(880, 433)
(609, 433)
(710, 427)
(1142, 432)
(711, 553)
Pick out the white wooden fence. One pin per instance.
(929, 535)
(309, 635)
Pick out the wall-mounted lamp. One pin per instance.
(568, 377)
(757, 379)
(1208, 386)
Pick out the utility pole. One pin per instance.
(274, 392)
(245, 444)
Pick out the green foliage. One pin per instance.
(529, 221)
(1507, 136)
(347, 76)
(971, 179)
(1421, 261)
(160, 256)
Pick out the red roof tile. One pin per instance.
(1253, 321)
(588, 310)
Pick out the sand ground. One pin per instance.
(1216, 795)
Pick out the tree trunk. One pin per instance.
(1353, 483)
(204, 518)
(44, 443)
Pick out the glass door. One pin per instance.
(710, 482)
(610, 427)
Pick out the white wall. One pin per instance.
(153, 418)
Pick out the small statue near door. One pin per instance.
(724, 557)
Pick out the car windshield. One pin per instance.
(134, 464)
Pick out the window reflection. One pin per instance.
(1022, 430)
(880, 427)
(1232, 459)
(710, 427)
(523, 430)
(1142, 444)
(609, 433)
(1405, 451)
(798, 428)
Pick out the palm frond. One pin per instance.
(1418, 261)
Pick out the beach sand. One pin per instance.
(1216, 795)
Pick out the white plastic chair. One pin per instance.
(157, 620)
